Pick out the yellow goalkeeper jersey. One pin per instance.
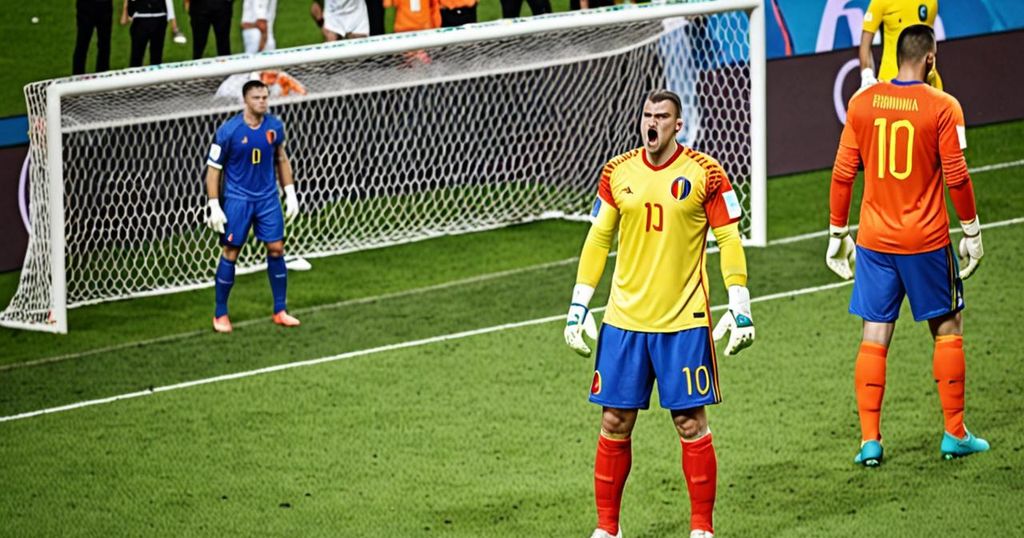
(893, 16)
(663, 215)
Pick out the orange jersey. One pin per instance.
(414, 15)
(908, 135)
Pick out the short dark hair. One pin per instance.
(660, 95)
(252, 84)
(915, 43)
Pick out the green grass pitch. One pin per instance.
(491, 434)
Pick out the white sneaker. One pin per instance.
(601, 533)
(697, 533)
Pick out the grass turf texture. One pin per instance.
(43, 50)
(491, 435)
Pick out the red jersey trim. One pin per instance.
(672, 159)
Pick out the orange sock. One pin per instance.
(611, 468)
(949, 367)
(869, 381)
(700, 467)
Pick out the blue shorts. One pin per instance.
(263, 215)
(628, 362)
(930, 280)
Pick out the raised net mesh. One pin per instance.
(386, 149)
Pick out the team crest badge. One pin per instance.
(245, 140)
(922, 12)
(680, 188)
(231, 237)
(271, 136)
(595, 387)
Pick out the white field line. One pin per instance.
(399, 294)
(401, 345)
(362, 353)
(298, 312)
(437, 287)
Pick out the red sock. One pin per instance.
(949, 367)
(611, 468)
(700, 467)
(869, 383)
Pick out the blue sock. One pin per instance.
(277, 272)
(225, 279)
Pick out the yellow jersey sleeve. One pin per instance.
(873, 15)
(598, 243)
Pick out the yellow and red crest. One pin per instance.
(271, 136)
(595, 386)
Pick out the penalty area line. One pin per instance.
(364, 352)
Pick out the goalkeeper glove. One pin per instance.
(216, 219)
(970, 249)
(291, 202)
(842, 252)
(867, 77)
(736, 321)
(580, 321)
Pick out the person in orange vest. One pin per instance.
(415, 15)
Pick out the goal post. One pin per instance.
(393, 139)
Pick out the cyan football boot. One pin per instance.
(958, 448)
(870, 454)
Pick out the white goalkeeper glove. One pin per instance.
(737, 321)
(841, 255)
(291, 203)
(867, 77)
(216, 219)
(580, 321)
(970, 249)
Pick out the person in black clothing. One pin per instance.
(577, 4)
(206, 13)
(98, 15)
(149, 26)
(510, 9)
(375, 13)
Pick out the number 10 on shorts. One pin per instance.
(698, 379)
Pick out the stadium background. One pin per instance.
(436, 437)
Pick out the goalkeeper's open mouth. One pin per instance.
(652, 137)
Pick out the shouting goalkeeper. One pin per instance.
(662, 198)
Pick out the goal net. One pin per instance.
(393, 139)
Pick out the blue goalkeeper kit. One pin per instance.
(247, 155)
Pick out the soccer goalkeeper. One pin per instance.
(909, 136)
(249, 148)
(662, 198)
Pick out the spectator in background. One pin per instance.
(511, 9)
(206, 13)
(457, 12)
(172, 20)
(90, 14)
(149, 24)
(316, 10)
(415, 15)
(345, 19)
(375, 13)
(258, 25)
